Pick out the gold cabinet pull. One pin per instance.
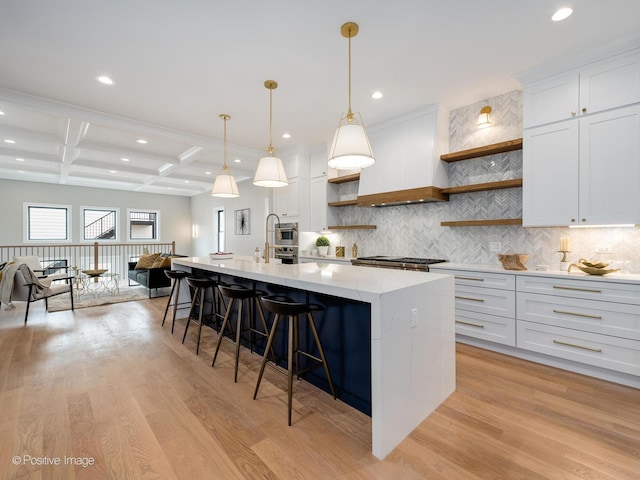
(470, 324)
(470, 298)
(470, 278)
(597, 317)
(591, 290)
(597, 350)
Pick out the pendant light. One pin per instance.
(225, 185)
(270, 171)
(350, 147)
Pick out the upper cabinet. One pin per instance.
(581, 146)
(591, 89)
(286, 200)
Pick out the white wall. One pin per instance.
(175, 211)
(256, 199)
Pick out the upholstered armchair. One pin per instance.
(52, 270)
(27, 287)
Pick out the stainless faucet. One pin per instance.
(266, 236)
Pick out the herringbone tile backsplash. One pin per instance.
(414, 230)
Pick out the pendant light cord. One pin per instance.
(225, 117)
(270, 121)
(349, 113)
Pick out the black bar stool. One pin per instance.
(201, 285)
(243, 296)
(279, 305)
(176, 277)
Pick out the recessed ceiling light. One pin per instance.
(104, 80)
(8, 140)
(19, 159)
(113, 171)
(376, 95)
(1, 112)
(20, 171)
(286, 135)
(237, 160)
(125, 159)
(186, 181)
(561, 14)
(207, 173)
(142, 141)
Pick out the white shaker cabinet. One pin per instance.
(286, 200)
(318, 204)
(584, 172)
(550, 174)
(593, 88)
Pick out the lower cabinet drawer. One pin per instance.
(486, 300)
(616, 319)
(486, 327)
(604, 351)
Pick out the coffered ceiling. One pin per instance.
(178, 65)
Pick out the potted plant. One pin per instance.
(323, 245)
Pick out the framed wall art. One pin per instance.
(243, 221)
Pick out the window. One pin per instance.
(47, 223)
(99, 223)
(220, 229)
(144, 224)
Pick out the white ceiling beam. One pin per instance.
(115, 122)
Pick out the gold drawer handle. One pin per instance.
(597, 350)
(470, 298)
(561, 287)
(471, 278)
(597, 317)
(470, 324)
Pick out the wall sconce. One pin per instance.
(484, 120)
(194, 231)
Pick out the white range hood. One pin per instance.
(408, 168)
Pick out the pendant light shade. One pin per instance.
(225, 187)
(225, 184)
(270, 171)
(350, 147)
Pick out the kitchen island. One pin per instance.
(412, 331)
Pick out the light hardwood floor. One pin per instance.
(110, 384)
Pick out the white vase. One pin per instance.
(322, 251)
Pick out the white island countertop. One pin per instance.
(412, 332)
(340, 280)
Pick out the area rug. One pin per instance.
(84, 300)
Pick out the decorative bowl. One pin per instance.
(592, 270)
(95, 273)
(513, 261)
(221, 255)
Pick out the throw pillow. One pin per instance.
(162, 262)
(146, 261)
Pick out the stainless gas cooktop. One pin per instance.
(402, 263)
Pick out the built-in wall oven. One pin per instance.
(287, 234)
(287, 254)
(286, 242)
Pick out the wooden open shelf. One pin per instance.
(480, 187)
(352, 227)
(343, 203)
(481, 223)
(492, 149)
(345, 178)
